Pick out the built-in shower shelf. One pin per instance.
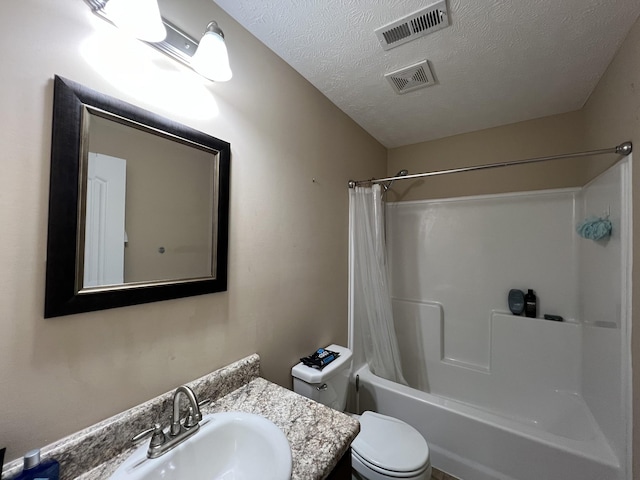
(571, 321)
(601, 323)
(471, 366)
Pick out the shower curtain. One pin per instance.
(371, 295)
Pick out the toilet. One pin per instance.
(386, 448)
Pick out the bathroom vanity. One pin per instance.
(319, 436)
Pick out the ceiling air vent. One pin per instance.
(411, 78)
(428, 20)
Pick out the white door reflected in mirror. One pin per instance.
(105, 217)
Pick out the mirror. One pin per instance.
(138, 206)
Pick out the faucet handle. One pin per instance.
(157, 438)
(191, 419)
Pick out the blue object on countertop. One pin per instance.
(34, 469)
(595, 228)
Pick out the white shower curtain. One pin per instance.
(371, 295)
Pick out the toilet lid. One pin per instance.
(390, 444)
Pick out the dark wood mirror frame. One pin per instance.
(61, 293)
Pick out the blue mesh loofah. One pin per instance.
(595, 228)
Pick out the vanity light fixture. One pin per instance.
(209, 57)
(211, 60)
(139, 18)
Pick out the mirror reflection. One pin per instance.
(148, 206)
(138, 206)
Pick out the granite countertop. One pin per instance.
(319, 436)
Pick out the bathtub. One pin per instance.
(479, 444)
(501, 396)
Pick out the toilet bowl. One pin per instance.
(386, 448)
(389, 448)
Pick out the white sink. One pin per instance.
(228, 446)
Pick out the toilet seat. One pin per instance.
(372, 472)
(390, 447)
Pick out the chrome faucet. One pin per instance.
(161, 443)
(193, 418)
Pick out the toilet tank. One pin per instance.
(327, 386)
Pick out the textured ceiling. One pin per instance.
(500, 61)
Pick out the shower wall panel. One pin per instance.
(466, 254)
(602, 268)
(531, 359)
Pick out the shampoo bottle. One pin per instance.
(530, 307)
(35, 469)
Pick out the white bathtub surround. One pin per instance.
(499, 396)
(604, 299)
(476, 444)
(371, 284)
(467, 253)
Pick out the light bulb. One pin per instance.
(140, 18)
(211, 59)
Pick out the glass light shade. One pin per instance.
(211, 59)
(140, 18)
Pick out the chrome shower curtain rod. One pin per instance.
(622, 149)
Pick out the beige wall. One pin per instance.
(612, 115)
(534, 138)
(288, 234)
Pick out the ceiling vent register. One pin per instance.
(413, 77)
(428, 20)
